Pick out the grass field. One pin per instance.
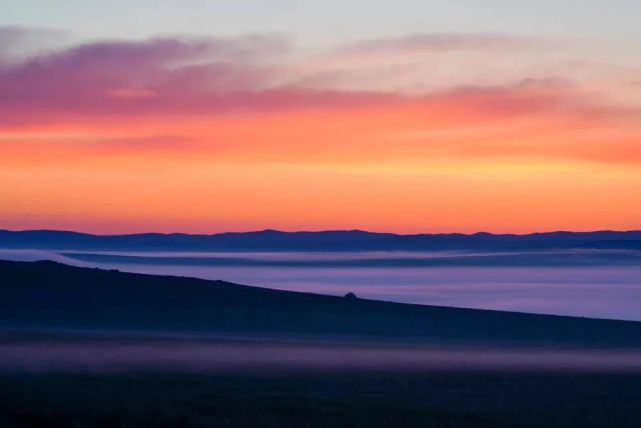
(322, 399)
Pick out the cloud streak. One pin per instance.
(18, 43)
(442, 42)
(177, 76)
(170, 76)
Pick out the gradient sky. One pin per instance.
(407, 116)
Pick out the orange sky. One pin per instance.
(112, 154)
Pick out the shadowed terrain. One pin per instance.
(96, 348)
(52, 295)
(334, 399)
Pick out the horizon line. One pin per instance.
(267, 230)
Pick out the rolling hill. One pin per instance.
(47, 295)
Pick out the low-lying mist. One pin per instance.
(590, 283)
(158, 355)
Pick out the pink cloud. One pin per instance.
(186, 76)
(172, 76)
(155, 76)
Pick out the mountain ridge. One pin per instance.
(331, 240)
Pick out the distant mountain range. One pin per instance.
(347, 240)
(45, 296)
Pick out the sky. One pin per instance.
(407, 116)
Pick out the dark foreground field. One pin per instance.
(105, 380)
(92, 348)
(322, 399)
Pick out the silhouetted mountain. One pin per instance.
(48, 295)
(351, 240)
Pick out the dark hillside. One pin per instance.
(52, 295)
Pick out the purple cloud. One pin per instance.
(213, 76)
(177, 75)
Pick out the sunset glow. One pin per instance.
(436, 131)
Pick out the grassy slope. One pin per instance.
(54, 295)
